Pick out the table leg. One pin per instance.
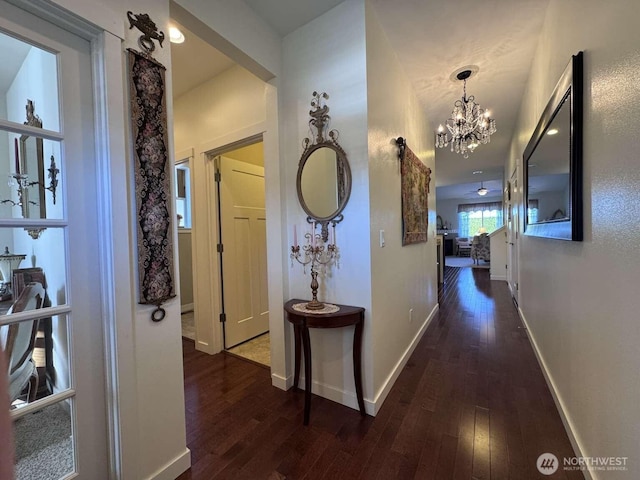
(296, 373)
(306, 345)
(357, 364)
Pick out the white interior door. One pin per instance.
(244, 245)
(48, 70)
(513, 225)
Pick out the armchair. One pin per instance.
(18, 341)
(480, 248)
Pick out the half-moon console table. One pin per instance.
(302, 322)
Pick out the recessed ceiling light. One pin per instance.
(553, 131)
(175, 35)
(476, 172)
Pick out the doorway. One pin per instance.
(242, 249)
(513, 226)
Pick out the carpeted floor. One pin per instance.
(43, 444)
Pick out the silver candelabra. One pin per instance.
(315, 253)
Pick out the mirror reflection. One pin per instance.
(553, 162)
(320, 182)
(549, 184)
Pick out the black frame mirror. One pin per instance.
(553, 162)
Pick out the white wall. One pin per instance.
(149, 373)
(498, 245)
(231, 101)
(579, 299)
(370, 105)
(237, 31)
(328, 55)
(406, 274)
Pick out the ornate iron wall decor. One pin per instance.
(152, 177)
(415, 194)
(150, 32)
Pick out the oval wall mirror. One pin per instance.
(324, 176)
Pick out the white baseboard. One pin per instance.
(206, 348)
(283, 383)
(499, 277)
(349, 399)
(187, 307)
(568, 425)
(395, 373)
(175, 468)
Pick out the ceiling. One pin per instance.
(432, 40)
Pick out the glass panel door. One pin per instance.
(50, 294)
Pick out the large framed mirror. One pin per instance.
(553, 162)
(324, 177)
(34, 203)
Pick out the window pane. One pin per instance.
(43, 440)
(30, 181)
(27, 260)
(183, 195)
(22, 71)
(38, 358)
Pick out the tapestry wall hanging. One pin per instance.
(152, 181)
(415, 193)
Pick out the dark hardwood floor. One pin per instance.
(471, 403)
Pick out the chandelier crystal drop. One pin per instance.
(469, 125)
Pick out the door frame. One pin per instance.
(105, 34)
(207, 294)
(513, 235)
(217, 159)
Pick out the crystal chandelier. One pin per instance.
(469, 125)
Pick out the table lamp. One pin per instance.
(8, 263)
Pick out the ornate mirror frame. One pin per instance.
(570, 90)
(35, 178)
(324, 138)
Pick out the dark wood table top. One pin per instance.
(347, 315)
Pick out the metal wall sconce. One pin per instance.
(53, 179)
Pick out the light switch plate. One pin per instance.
(381, 238)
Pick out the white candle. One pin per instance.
(295, 236)
(335, 242)
(313, 234)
